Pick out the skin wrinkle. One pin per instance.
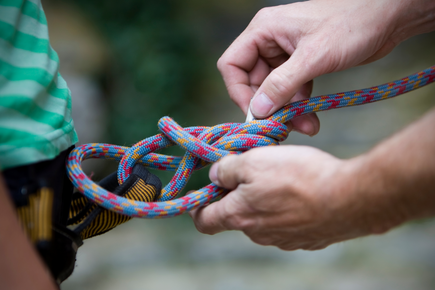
(234, 220)
(238, 101)
(256, 78)
(244, 102)
(274, 54)
(305, 221)
(251, 44)
(316, 199)
(269, 49)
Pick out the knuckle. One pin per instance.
(234, 223)
(221, 64)
(234, 220)
(317, 56)
(221, 175)
(244, 165)
(311, 51)
(251, 164)
(202, 228)
(262, 240)
(237, 222)
(279, 85)
(263, 13)
(225, 171)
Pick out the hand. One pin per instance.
(285, 47)
(286, 196)
(298, 197)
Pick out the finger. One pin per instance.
(245, 65)
(282, 84)
(219, 216)
(238, 87)
(228, 172)
(259, 73)
(291, 246)
(208, 219)
(234, 65)
(308, 124)
(315, 246)
(262, 240)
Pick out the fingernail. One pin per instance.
(261, 105)
(213, 174)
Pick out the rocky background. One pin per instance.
(130, 62)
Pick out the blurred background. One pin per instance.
(128, 63)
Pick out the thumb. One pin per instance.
(227, 172)
(281, 85)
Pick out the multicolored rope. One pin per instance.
(210, 144)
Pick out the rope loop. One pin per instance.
(205, 145)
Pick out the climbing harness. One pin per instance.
(209, 144)
(87, 220)
(56, 220)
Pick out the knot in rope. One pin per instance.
(210, 144)
(203, 145)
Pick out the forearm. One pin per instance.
(414, 17)
(401, 18)
(20, 266)
(395, 182)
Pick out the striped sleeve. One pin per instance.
(35, 102)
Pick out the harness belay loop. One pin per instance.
(204, 145)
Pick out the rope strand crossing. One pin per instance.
(204, 145)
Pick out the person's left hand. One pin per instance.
(286, 196)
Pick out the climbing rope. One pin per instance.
(209, 144)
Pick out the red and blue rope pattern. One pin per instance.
(209, 144)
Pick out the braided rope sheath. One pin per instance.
(210, 144)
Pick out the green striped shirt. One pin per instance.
(35, 102)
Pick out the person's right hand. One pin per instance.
(285, 47)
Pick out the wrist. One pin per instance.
(393, 183)
(373, 194)
(414, 17)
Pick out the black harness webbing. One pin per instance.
(56, 220)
